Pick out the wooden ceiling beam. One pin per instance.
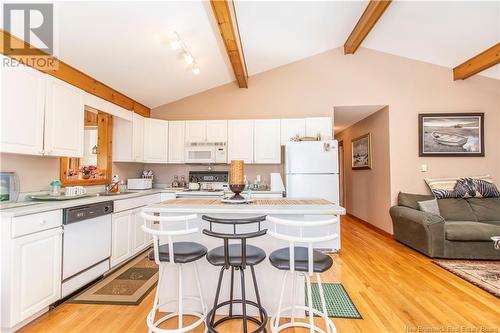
(228, 29)
(75, 77)
(365, 24)
(479, 63)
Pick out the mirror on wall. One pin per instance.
(94, 168)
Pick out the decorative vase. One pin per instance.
(237, 189)
(86, 176)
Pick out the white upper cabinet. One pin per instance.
(23, 100)
(122, 140)
(216, 130)
(176, 132)
(240, 140)
(155, 140)
(138, 137)
(291, 128)
(321, 126)
(196, 131)
(267, 141)
(64, 113)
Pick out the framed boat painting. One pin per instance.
(362, 152)
(451, 134)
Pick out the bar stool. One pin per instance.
(178, 254)
(301, 261)
(236, 256)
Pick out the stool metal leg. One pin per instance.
(294, 294)
(200, 292)
(179, 314)
(257, 295)
(231, 293)
(217, 293)
(243, 300)
(274, 328)
(309, 300)
(323, 301)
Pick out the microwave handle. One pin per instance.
(15, 188)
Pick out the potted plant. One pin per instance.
(87, 171)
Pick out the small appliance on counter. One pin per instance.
(9, 187)
(139, 183)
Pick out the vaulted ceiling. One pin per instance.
(126, 44)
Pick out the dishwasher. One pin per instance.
(86, 244)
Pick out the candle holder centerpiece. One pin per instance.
(236, 181)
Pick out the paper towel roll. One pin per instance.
(277, 182)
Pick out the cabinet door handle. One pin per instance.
(42, 222)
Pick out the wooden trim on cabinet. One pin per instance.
(228, 28)
(74, 76)
(365, 24)
(104, 157)
(484, 60)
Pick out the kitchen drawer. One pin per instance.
(125, 204)
(29, 224)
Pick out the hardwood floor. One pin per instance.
(395, 289)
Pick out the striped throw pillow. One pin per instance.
(466, 187)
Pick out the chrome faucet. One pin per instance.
(110, 187)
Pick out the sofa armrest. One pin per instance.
(416, 216)
(419, 230)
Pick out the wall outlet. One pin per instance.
(423, 168)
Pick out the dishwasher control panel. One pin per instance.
(86, 212)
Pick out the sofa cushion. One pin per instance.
(429, 206)
(470, 231)
(455, 209)
(485, 209)
(411, 200)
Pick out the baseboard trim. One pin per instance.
(371, 226)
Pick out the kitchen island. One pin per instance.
(268, 277)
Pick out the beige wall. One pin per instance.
(36, 172)
(314, 86)
(368, 192)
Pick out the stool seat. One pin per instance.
(254, 255)
(184, 252)
(281, 260)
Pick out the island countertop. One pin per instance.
(281, 206)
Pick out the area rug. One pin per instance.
(485, 275)
(338, 302)
(129, 285)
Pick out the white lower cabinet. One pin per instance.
(127, 237)
(120, 237)
(139, 237)
(36, 273)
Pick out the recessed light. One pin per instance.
(196, 70)
(188, 58)
(175, 45)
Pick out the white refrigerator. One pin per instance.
(312, 170)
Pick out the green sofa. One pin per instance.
(461, 231)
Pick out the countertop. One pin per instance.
(33, 207)
(266, 206)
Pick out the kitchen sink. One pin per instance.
(110, 194)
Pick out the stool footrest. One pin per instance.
(262, 325)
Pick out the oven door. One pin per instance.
(199, 155)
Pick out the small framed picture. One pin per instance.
(451, 134)
(362, 152)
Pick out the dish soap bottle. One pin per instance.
(55, 188)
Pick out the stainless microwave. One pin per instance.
(9, 187)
